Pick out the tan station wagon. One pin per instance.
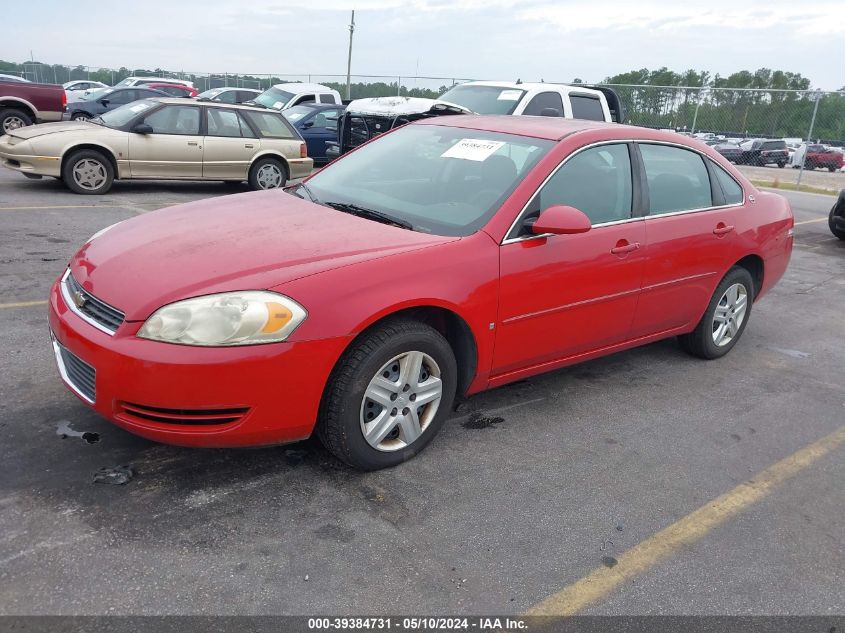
(162, 139)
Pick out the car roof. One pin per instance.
(554, 128)
(298, 88)
(529, 86)
(212, 104)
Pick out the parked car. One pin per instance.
(817, 156)
(317, 124)
(23, 103)
(174, 90)
(106, 99)
(140, 81)
(731, 151)
(262, 318)
(76, 90)
(763, 152)
(836, 219)
(229, 95)
(162, 139)
(282, 96)
(4, 77)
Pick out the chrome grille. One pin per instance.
(89, 307)
(78, 374)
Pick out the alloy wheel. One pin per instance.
(729, 314)
(401, 401)
(269, 176)
(13, 123)
(89, 174)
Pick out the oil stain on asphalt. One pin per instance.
(478, 421)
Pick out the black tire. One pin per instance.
(80, 116)
(700, 341)
(831, 169)
(96, 158)
(836, 231)
(781, 165)
(339, 425)
(12, 118)
(255, 175)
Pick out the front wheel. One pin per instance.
(80, 116)
(388, 396)
(88, 172)
(725, 319)
(267, 173)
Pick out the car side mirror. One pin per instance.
(550, 112)
(561, 220)
(104, 102)
(307, 124)
(142, 128)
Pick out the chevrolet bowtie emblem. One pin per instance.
(79, 299)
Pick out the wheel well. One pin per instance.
(454, 329)
(17, 105)
(754, 265)
(96, 148)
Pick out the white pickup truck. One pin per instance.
(366, 118)
(284, 96)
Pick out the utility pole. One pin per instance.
(817, 96)
(349, 59)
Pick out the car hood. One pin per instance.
(251, 241)
(31, 131)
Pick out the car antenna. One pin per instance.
(518, 81)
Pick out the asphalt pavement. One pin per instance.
(528, 488)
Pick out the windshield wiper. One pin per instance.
(370, 214)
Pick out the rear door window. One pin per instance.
(545, 101)
(226, 123)
(586, 107)
(327, 99)
(677, 179)
(270, 125)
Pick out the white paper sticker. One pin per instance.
(509, 95)
(472, 149)
(278, 105)
(138, 107)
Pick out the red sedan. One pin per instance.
(447, 257)
(175, 90)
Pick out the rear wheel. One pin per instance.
(267, 173)
(389, 395)
(80, 116)
(725, 319)
(781, 165)
(13, 119)
(837, 232)
(88, 172)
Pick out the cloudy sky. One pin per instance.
(556, 40)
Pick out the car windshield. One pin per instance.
(274, 98)
(125, 113)
(126, 82)
(484, 99)
(442, 180)
(97, 94)
(210, 94)
(774, 145)
(296, 113)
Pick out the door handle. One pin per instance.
(721, 230)
(622, 249)
(249, 146)
(194, 143)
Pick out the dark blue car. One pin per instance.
(316, 123)
(106, 99)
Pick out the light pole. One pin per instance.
(349, 58)
(817, 96)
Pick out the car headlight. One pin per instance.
(229, 318)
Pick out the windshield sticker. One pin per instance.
(138, 107)
(472, 149)
(509, 95)
(278, 105)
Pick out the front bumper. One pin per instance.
(270, 394)
(29, 163)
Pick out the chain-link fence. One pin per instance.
(728, 112)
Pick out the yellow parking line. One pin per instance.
(811, 221)
(22, 304)
(640, 558)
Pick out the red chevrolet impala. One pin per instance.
(447, 257)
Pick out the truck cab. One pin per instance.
(283, 96)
